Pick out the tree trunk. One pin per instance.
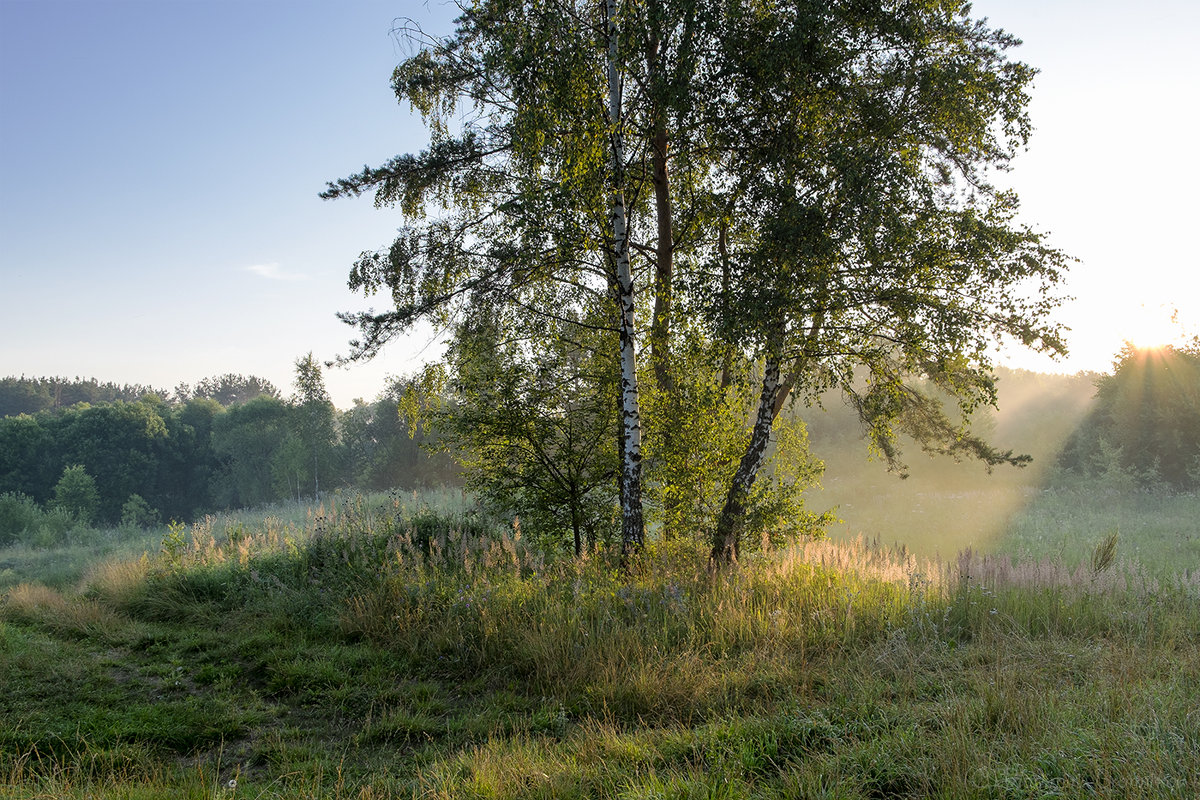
(632, 526)
(728, 531)
(775, 392)
(664, 256)
(723, 251)
(576, 527)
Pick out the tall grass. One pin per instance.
(667, 639)
(439, 638)
(1158, 529)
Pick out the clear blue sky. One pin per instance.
(161, 159)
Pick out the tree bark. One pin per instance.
(775, 391)
(575, 524)
(728, 531)
(660, 323)
(632, 525)
(723, 251)
(664, 255)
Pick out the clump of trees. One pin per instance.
(651, 225)
(228, 389)
(1144, 429)
(229, 442)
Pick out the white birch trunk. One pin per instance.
(632, 528)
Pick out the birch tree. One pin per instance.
(314, 418)
(526, 203)
(869, 244)
(632, 524)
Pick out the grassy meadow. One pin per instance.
(402, 646)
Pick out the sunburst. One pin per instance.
(1153, 327)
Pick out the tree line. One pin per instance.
(30, 395)
(228, 442)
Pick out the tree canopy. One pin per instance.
(797, 196)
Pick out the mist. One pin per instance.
(944, 506)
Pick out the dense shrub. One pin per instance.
(76, 494)
(137, 513)
(19, 516)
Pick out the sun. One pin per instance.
(1153, 327)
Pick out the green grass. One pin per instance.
(375, 648)
(63, 565)
(1160, 531)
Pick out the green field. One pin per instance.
(390, 647)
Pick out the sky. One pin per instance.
(160, 162)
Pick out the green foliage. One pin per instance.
(312, 453)
(31, 395)
(776, 509)
(26, 457)
(383, 449)
(696, 432)
(137, 513)
(19, 517)
(174, 544)
(536, 436)
(187, 465)
(76, 494)
(815, 207)
(54, 529)
(192, 455)
(699, 430)
(246, 439)
(227, 390)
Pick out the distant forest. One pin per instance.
(230, 441)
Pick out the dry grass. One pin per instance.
(49, 608)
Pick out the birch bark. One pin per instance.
(775, 390)
(632, 526)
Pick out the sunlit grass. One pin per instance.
(1161, 531)
(63, 565)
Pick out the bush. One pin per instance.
(19, 517)
(23, 521)
(54, 529)
(76, 494)
(137, 513)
